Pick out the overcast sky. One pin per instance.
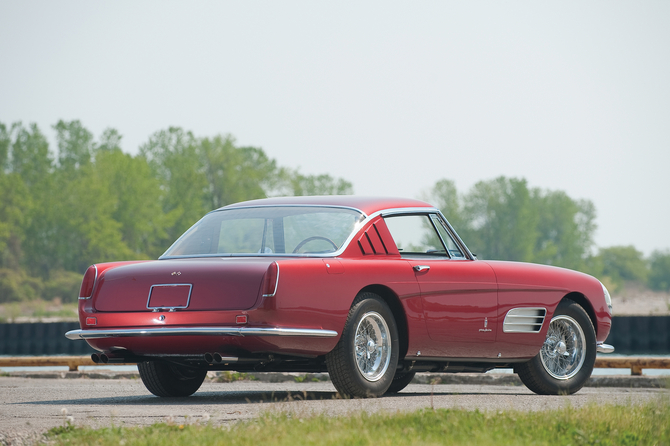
(392, 96)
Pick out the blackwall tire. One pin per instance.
(170, 380)
(400, 381)
(565, 361)
(364, 361)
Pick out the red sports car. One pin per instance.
(371, 290)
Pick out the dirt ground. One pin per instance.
(636, 300)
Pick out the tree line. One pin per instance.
(86, 201)
(505, 219)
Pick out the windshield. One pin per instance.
(268, 231)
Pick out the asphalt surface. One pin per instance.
(31, 406)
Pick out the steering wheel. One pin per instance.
(314, 237)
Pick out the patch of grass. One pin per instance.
(603, 425)
(307, 377)
(229, 377)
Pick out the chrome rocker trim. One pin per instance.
(604, 348)
(199, 331)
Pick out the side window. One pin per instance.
(415, 235)
(454, 250)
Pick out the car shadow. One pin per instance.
(237, 397)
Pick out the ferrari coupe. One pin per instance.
(371, 290)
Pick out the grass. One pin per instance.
(591, 425)
(229, 377)
(37, 309)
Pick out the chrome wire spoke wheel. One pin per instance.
(564, 349)
(372, 346)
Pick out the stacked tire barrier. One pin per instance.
(37, 339)
(630, 335)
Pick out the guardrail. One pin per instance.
(635, 364)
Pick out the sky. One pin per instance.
(391, 96)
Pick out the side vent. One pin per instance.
(524, 320)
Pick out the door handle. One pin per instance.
(421, 268)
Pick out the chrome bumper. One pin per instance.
(198, 331)
(604, 348)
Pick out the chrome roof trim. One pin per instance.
(347, 242)
(198, 331)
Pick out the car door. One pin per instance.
(459, 294)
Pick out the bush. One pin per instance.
(63, 285)
(17, 286)
(659, 275)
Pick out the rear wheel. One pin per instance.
(170, 380)
(364, 361)
(567, 357)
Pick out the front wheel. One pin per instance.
(364, 361)
(567, 357)
(170, 380)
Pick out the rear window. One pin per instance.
(262, 231)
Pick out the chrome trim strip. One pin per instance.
(601, 347)
(199, 331)
(347, 242)
(276, 283)
(524, 320)
(188, 299)
(226, 208)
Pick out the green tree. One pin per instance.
(174, 159)
(623, 263)
(565, 229)
(75, 145)
(232, 173)
(501, 221)
(659, 274)
(299, 184)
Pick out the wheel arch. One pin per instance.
(396, 307)
(580, 299)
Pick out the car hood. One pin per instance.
(187, 284)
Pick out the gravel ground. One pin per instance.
(31, 406)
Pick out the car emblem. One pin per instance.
(486, 324)
(176, 273)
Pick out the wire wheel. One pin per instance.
(564, 349)
(372, 348)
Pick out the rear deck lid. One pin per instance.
(182, 284)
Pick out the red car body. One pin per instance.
(288, 310)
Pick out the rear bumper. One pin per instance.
(199, 331)
(604, 348)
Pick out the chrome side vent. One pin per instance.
(524, 320)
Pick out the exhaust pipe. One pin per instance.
(95, 357)
(209, 359)
(219, 359)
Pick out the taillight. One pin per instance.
(86, 290)
(271, 280)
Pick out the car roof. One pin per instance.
(368, 205)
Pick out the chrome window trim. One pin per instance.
(337, 253)
(199, 331)
(366, 219)
(424, 211)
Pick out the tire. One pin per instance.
(400, 381)
(567, 357)
(170, 380)
(364, 361)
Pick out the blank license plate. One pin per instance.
(169, 296)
